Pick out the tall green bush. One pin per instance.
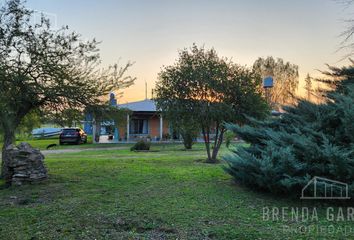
(229, 136)
(306, 141)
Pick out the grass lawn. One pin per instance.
(43, 143)
(167, 194)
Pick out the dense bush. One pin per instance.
(141, 146)
(229, 136)
(308, 140)
(189, 134)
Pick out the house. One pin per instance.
(144, 121)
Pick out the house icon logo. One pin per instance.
(324, 188)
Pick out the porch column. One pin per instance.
(161, 127)
(116, 134)
(128, 122)
(94, 131)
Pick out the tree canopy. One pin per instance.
(42, 68)
(308, 140)
(208, 90)
(286, 79)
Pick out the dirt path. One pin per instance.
(75, 150)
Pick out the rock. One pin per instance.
(26, 164)
(11, 147)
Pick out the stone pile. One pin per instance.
(26, 164)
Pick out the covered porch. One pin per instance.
(144, 126)
(143, 122)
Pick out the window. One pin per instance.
(139, 126)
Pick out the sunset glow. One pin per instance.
(150, 33)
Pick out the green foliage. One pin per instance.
(202, 90)
(31, 121)
(51, 70)
(229, 136)
(141, 146)
(306, 141)
(65, 118)
(189, 134)
(185, 126)
(46, 69)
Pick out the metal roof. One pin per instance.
(146, 105)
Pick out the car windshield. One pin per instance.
(69, 131)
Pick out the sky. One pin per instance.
(150, 32)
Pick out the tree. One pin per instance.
(65, 118)
(45, 69)
(184, 124)
(286, 79)
(308, 140)
(189, 133)
(347, 43)
(308, 86)
(208, 90)
(31, 121)
(229, 136)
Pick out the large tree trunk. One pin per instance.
(206, 141)
(217, 145)
(9, 138)
(215, 150)
(219, 135)
(188, 139)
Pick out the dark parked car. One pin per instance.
(72, 135)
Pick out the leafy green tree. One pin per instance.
(65, 118)
(286, 79)
(189, 133)
(47, 69)
(31, 121)
(308, 140)
(229, 136)
(185, 125)
(208, 90)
